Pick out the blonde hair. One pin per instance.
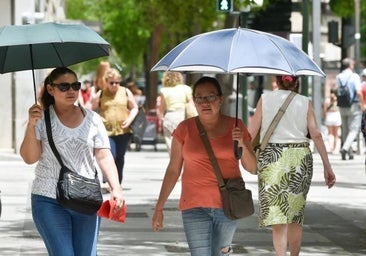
(111, 73)
(171, 79)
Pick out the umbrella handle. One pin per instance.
(238, 151)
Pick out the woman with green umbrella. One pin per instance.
(80, 137)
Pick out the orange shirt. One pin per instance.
(199, 183)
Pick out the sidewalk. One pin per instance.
(335, 219)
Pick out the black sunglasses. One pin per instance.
(63, 87)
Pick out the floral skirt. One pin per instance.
(284, 178)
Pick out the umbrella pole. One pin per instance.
(238, 151)
(34, 80)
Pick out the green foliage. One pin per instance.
(342, 8)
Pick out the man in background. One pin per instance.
(351, 116)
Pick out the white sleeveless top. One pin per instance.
(292, 127)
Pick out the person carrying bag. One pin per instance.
(74, 191)
(236, 199)
(66, 224)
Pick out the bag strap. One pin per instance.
(49, 136)
(276, 120)
(210, 153)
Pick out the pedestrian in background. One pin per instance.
(286, 164)
(118, 109)
(208, 231)
(332, 119)
(99, 83)
(137, 92)
(80, 137)
(85, 94)
(351, 116)
(174, 97)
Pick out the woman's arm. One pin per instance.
(172, 174)
(316, 136)
(31, 147)
(105, 161)
(256, 121)
(161, 107)
(133, 107)
(248, 159)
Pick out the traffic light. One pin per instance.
(333, 36)
(224, 5)
(348, 35)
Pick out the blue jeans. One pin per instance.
(208, 231)
(119, 146)
(64, 232)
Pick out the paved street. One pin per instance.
(335, 219)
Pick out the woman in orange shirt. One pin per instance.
(208, 231)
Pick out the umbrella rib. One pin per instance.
(284, 56)
(58, 54)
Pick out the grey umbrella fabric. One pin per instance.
(239, 50)
(53, 45)
(48, 45)
(235, 51)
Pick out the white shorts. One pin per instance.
(333, 119)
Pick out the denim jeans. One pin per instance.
(64, 232)
(119, 146)
(208, 231)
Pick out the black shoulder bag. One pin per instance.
(236, 199)
(74, 191)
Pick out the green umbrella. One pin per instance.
(48, 45)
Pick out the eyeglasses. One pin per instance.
(113, 83)
(208, 99)
(63, 87)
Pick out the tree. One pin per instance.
(346, 10)
(141, 32)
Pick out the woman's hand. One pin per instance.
(34, 114)
(157, 220)
(329, 177)
(117, 196)
(238, 135)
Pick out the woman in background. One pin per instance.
(118, 109)
(332, 119)
(174, 96)
(285, 166)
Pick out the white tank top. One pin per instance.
(292, 127)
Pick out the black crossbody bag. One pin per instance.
(74, 191)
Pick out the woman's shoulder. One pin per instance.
(92, 115)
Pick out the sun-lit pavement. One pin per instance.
(335, 219)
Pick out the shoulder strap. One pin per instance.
(210, 152)
(276, 120)
(49, 136)
(52, 143)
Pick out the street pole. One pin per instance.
(317, 92)
(305, 42)
(357, 36)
